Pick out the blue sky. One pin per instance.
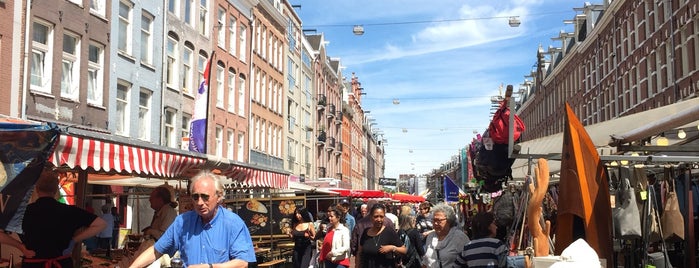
(442, 59)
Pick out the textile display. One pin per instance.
(672, 230)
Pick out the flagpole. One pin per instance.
(208, 100)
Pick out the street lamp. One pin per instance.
(358, 30)
(514, 21)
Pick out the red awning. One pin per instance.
(257, 178)
(82, 152)
(408, 198)
(360, 193)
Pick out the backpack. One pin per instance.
(411, 258)
(499, 126)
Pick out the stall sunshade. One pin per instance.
(407, 198)
(361, 193)
(74, 151)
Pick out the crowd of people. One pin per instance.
(374, 235)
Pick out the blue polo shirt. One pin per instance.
(224, 238)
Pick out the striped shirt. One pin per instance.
(484, 252)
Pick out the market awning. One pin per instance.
(407, 198)
(600, 134)
(83, 152)
(360, 193)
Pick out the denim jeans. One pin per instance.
(329, 264)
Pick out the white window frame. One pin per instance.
(219, 141)
(201, 65)
(203, 21)
(231, 90)
(169, 126)
(125, 39)
(240, 156)
(98, 7)
(230, 144)
(173, 6)
(233, 36)
(70, 67)
(243, 39)
(187, 70)
(220, 91)
(95, 75)
(121, 126)
(188, 16)
(42, 59)
(144, 114)
(147, 38)
(221, 28)
(171, 64)
(185, 125)
(241, 95)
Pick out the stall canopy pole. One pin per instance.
(80, 192)
(689, 220)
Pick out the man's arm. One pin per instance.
(11, 241)
(229, 264)
(95, 227)
(147, 257)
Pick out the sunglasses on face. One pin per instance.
(205, 197)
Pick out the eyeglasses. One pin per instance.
(439, 220)
(204, 197)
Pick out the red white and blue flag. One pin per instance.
(197, 133)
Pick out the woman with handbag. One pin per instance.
(302, 232)
(334, 252)
(379, 245)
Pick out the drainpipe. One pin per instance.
(251, 80)
(27, 27)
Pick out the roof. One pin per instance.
(601, 133)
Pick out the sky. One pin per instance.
(442, 60)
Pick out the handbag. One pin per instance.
(672, 219)
(627, 219)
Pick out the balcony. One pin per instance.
(338, 149)
(331, 111)
(321, 101)
(321, 138)
(338, 118)
(330, 145)
(321, 172)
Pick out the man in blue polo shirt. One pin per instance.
(209, 236)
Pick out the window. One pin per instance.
(42, 37)
(201, 63)
(241, 153)
(171, 71)
(203, 18)
(242, 51)
(229, 144)
(290, 74)
(231, 91)
(232, 35)
(95, 75)
(184, 128)
(173, 7)
(122, 108)
(219, 141)
(241, 96)
(70, 68)
(147, 39)
(220, 92)
(144, 118)
(187, 71)
(124, 43)
(98, 7)
(188, 11)
(169, 128)
(221, 28)
(263, 137)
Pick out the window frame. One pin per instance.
(124, 118)
(70, 83)
(144, 131)
(98, 83)
(46, 54)
(125, 38)
(147, 58)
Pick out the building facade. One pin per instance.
(267, 92)
(136, 89)
(68, 63)
(12, 38)
(634, 56)
(229, 98)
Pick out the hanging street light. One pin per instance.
(514, 21)
(358, 30)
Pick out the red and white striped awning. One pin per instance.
(256, 178)
(73, 151)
